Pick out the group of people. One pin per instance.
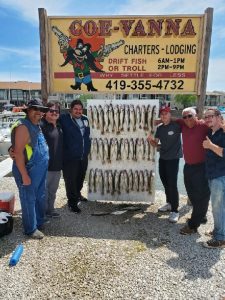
(45, 142)
(204, 169)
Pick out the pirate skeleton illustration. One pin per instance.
(82, 58)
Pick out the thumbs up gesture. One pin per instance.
(207, 143)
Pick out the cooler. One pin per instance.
(7, 201)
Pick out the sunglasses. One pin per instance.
(54, 111)
(187, 117)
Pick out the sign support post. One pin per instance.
(44, 51)
(204, 62)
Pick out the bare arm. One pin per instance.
(21, 139)
(207, 144)
(153, 141)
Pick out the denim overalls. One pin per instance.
(32, 197)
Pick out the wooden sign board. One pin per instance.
(124, 54)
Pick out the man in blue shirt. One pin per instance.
(215, 172)
(76, 147)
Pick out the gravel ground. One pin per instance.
(136, 255)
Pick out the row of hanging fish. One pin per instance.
(111, 182)
(110, 150)
(124, 117)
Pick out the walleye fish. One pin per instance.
(117, 119)
(95, 117)
(126, 125)
(141, 181)
(106, 150)
(95, 179)
(143, 148)
(101, 119)
(152, 153)
(151, 182)
(111, 118)
(106, 117)
(146, 180)
(126, 187)
(136, 181)
(149, 118)
(122, 113)
(153, 118)
(143, 112)
(138, 150)
(94, 149)
(123, 154)
(111, 189)
(126, 148)
(101, 150)
(117, 181)
(131, 179)
(114, 149)
(132, 149)
(100, 182)
(106, 181)
(90, 115)
(132, 118)
(147, 149)
(124, 182)
(91, 180)
(90, 153)
(138, 117)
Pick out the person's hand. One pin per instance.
(207, 144)
(26, 179)
(11, 153)
(150, 138)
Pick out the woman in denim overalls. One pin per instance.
(30, 168)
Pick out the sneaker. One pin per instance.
(81, 198)
(214, 244)
(37, 235)
(166, 207)
(53, 215)
(75, 209)
(204, 220)
(173, 217)
(187, 230)
(209, 233)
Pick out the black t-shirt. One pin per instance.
(54, 139)
(170, 139)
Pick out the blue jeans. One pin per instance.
(217, 187)
(32, 197)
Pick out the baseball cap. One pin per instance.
(164, 109)
(36, 103)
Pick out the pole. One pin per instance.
(203, 74)
(43, 31)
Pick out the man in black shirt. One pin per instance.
(169, 135)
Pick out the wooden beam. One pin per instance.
(207, 27)
(43, 31)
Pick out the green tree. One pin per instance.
(185, 99)
(84, 98)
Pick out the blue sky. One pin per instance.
(19, 30)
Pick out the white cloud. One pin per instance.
(20, 76)
(29, 9)
(155, 7)
(31, 53)
(216, 74)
